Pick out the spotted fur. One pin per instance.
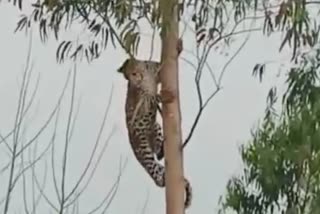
(145, 133)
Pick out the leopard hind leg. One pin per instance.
(145, 157)
(157, 141)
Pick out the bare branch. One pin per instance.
(94, 169)
(115, 191)
(66, 146)
(202, 61)
(54, 177)
(36, 200)
(111, 193)
(21, 102)
(95, 146)
(41, 190)
(48, 120)
(4, 138)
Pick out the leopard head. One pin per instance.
(141, 74)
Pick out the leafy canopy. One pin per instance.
(282, 161)
(119, 21)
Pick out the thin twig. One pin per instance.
(95, 147)
(202, 61)
(54, 177)
(115, 192)
(41, 190)
(66, 146)
(21, 103)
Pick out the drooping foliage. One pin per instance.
(282, 161)
(118, 21)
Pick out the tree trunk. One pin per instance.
(174, 176)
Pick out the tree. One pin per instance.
(159, 17)
(212, 25)
(174, 176)
(281, 173)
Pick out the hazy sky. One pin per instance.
(211, 158)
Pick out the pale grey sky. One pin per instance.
(211, 158)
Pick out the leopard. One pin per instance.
(141, 107)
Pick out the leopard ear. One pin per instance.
(122, 68)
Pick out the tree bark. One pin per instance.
(174, 176)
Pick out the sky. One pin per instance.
(210, 159)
